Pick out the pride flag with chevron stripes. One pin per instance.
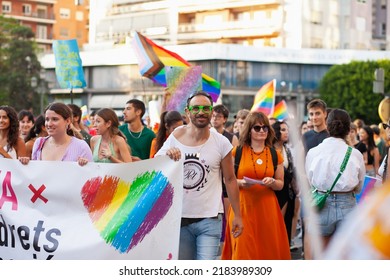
(265, 99)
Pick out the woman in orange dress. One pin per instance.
(264, 236)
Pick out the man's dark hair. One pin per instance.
(138, 105)
(197, 93)
(221, 109)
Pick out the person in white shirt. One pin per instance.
(206, 153)
(322, 166)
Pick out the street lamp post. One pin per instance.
(40, 86)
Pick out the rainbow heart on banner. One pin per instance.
(124, 213)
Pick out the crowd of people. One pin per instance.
(243, 201)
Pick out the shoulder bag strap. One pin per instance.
(274, 157)
(237, 159)
(342, 168)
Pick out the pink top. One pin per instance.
(77, 148)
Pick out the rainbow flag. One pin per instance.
(265, 99)
(368, 186)
(85, 116)
(153, 58)
(281, 111)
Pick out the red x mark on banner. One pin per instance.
(38, 193)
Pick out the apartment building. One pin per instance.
(331, 24)
(38, 15)
(72, 21)
(50, 19)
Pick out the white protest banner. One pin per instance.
(60, 210)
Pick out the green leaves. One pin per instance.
(350, 87)
(18, 64)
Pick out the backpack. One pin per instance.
(237, 158)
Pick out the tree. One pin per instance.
(18, 64)
(350, 87)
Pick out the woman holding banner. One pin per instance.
(11, 145)
(63, 143)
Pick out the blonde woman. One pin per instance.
(109, 145)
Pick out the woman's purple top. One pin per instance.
(77, 148)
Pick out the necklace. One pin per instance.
(139, 135)
(259, 161)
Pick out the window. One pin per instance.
(316, 17)
(79, 16)
(64, 32)
(41, 32)
(26, 9)
(42, 11)
(361, 24)
(64, 13)
(383, 4)
(6, 7)
(316, 43)
(79, 34)
(213, 20)
(383, 29)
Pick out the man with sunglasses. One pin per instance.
(205, 153)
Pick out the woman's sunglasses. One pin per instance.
(257, 128)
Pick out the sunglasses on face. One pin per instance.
(257, 128)
(197, 108)
(385, 125)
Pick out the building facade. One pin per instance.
(51, 20)
(72, 21)
(38, 15)
(331, 24)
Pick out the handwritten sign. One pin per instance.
(69, 69)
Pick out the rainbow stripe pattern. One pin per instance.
(182, 82)
(85, 116)
(368, 186)
(125, 213)
(153, 58)
(281, 111)
(265, 99)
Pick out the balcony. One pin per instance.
(44, 1)
(34, 17)
(232, 29)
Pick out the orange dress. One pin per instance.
(264, 236)
(153, 148)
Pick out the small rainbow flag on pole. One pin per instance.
(281, 111)
(85, 116)
(265, 99)
(368, 186)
